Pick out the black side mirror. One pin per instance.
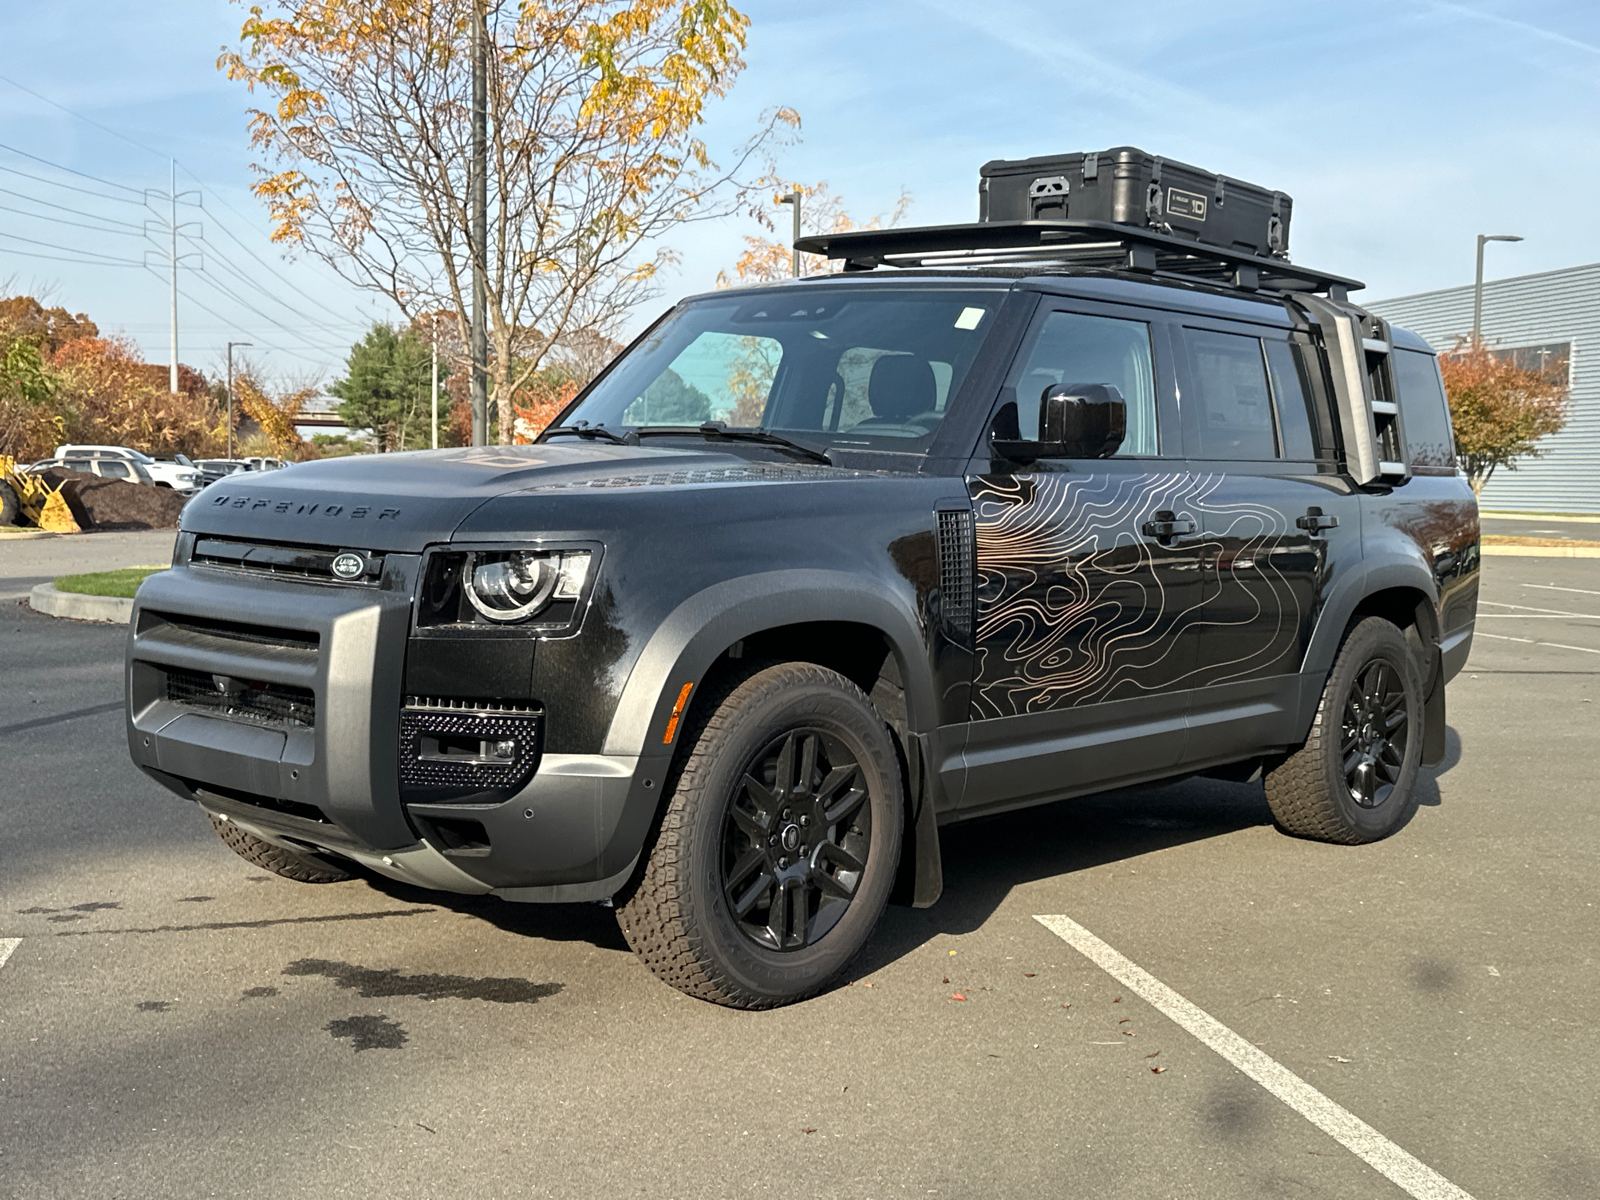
(1076, 420)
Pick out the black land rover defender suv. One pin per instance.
(1002, 514)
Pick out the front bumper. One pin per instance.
(318, 763)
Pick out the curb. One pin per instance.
(1541, 551)
(46, 599)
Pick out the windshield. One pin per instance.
(864, 367)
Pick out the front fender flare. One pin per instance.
(695, 633)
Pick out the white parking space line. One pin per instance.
(1558, 612)
(1550, 587)
(7, 946)
(1415, 1177)
(1501, 637)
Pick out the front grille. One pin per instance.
(259, 703)
(956, 569)
(312, 563)
(455, 749)
(236, 631)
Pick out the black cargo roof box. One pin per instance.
(1126, 186)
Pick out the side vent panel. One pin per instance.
(956, 571)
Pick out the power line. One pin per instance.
(65, 208)
(81, 174)
(52, 246)
(79, 115)
(82, 261)
(75, 224)
(71, 187)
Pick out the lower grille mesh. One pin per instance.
(242, 700)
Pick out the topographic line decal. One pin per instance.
(1075, 606)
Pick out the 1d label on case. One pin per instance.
(1186, 204)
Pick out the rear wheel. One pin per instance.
(779, 843)
(291, 864)
(1353, 779)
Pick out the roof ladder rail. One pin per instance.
(1365, 416)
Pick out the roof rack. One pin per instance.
(1098, 244)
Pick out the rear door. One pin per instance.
(1279, 521)
(1088, 575)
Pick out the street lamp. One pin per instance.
(231, 345)
(794, 258)
(1477, 288)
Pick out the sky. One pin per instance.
(1401, 130)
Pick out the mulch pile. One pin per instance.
(113, 504)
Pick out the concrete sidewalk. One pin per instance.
(26, 562)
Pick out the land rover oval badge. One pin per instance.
(349, 565)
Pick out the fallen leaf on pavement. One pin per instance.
(1340, 1058)
(1118, 1000)
(1157, 1070)
(813, 1129)
(1066, 1004)
(1028, 974)
(957, 996)
(1152, 1054)
(1124, 1020)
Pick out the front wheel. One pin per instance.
(1352, 781)
(778, 846)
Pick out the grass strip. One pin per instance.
(124, 581)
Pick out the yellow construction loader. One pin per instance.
(26, 499)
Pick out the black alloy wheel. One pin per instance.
(1354, 778)
(1374, 736)
(778, 843)
(796, 839)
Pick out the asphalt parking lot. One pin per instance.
(174, 1022)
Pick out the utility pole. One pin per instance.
(794, 256)
(231, 345)
(433, 375)
(1477, 288)
(172, 195)
(174, 259)
(479, 189)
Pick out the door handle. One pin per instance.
(1167, 524)
(1315, 521)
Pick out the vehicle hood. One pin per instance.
(396, 502)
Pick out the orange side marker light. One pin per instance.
(677, 711)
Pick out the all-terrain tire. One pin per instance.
(677, 914)
(1309, 792)
(302, 868)
(10, 506)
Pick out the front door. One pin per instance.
(1089, 578)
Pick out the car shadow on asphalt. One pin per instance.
(983, 859)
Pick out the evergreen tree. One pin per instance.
(386, 389)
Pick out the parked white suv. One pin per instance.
(179, 476)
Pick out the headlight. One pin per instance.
(513, 585)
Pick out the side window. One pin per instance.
(113, 470)
(1228, 406)
(1424, 412)
(1292, 392)
(717, 377)
(1076, 348)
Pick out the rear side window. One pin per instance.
(114, 470)
(1424, 413)
(1228, 405)
(1291, 389)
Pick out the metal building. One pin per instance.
(1540, 319)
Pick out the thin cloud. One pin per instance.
(1476, 14)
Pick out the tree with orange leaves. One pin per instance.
(1499, 410)
(768, 259)
(593, 108)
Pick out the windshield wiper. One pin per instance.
(590, 432)
(717, 431)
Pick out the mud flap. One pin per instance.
(1433, 718)
(920, 881)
